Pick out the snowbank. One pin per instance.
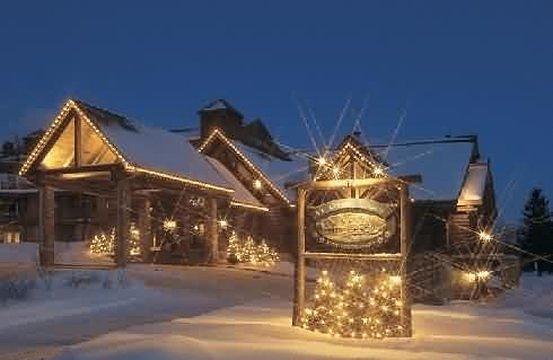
(26, 252)
(534, 296)
(67, 293)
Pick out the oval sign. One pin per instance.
(354, 223)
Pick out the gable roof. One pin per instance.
(140, 148)
(241, 195)
(283, 173)
(274, 172)
(442, 165)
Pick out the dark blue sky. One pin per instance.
(454, 67)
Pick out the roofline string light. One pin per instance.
(181, 179)
(71, 104)
(248, 206)
(253, 167)
(45, 137)
(485, 236)
(378, 169)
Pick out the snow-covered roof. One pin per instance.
(475, 184)
(441, 164)
(153, 148)
(241, 194)
(282, 173)
(18, 191)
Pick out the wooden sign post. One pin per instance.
(366, 222)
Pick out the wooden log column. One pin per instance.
(46, 224)
(299, 273)
(145, 227)
(103, 212)
(405, 232)
(212, 232)
(123, 224)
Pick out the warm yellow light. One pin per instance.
(248, 206)
(169, 225)
(480, 275)
(485, 236)
(335, 170)
(483, 274)
(257, 184)
(321, 161)
(218, 133)
(395, 280)
(378, 170)
(223, 224)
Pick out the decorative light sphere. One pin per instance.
(223, 223)
(169, 225)
(257, 184)
(395, 280)
(378, 170)
(480, 275)
(321, 160)
(485, 236)
(483, 274)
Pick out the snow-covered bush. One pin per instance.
(48, 284)
(15, 289)
(82, 278)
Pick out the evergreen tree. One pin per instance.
(536, 232)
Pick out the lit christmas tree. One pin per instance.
(233, 249)
(325, 310)
(103, 243)
(355, 310)
(240, 251)
(134, 241)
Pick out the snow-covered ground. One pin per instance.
(170, 312)
(78, 252)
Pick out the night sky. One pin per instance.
(451, 67)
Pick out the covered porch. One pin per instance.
(147, 178)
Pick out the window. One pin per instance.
(11, 237)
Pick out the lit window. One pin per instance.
(11, 237)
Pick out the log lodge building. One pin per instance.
(93, 169)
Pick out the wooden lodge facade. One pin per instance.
(233, 172)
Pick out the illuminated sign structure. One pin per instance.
(360, 227)
(354, 223)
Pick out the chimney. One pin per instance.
(220, 114)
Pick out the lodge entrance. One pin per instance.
(76, 154)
